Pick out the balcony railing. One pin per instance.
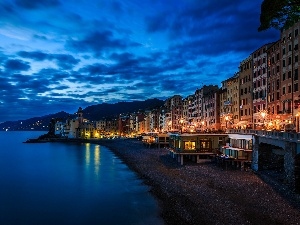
(269, 134)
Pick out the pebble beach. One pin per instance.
(205, 193)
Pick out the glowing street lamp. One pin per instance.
(226, 120)
(181, 122)
(169, 125)
(202, 124)
(263, 114)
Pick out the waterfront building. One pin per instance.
(140, 123)
(232, 104)
(224, 106)
(174, 104)
(112, 125)
(197, 106)
(275, 113)
(210, 108)
(260, 67)
(237, 151)
(100, 125)
(290, 74)
(71, 126)
(124, 125)
(163, 119)
(245, 93)
(195, 146)
(154, 120)
(189, 124)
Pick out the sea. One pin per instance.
(63, 183)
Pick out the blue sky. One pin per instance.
(57, 55)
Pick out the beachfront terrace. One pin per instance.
(195, 146)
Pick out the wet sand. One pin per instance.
(205, 193)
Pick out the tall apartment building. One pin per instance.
(197, 105)
(245, 92)
(290, 74)
(210, 107)
(274, 85)
(224, 106)
(174, 104)
(233, 97)
(260, 67)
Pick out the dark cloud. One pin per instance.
(98, 42)
(34, 4)
(63, 61)
(37, 55)
(203, 28)
(16, 65)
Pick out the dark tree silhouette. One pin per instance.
(279, 14)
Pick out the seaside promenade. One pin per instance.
(205, 193)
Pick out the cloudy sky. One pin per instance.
(57, 55)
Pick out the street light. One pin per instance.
(263, 114)
(202, 123)
(226, 120)
(181, 122)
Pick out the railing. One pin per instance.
(269, 134)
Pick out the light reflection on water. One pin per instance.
(54, 183)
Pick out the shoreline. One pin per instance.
(205, 193)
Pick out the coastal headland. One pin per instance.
(205, 193)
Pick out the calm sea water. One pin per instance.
(56, 183)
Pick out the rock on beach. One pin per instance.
(205, 193)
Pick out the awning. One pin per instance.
(241, 136)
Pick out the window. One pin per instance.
(290, 60)
(290, 48)
(296, 58)
(283, 76)
(290, 74)
(189, 145)
(277, 69)
(277, 56)
(283, 90)
(205, 144)
(296, 74)
(289, 88)
(283, 51)
(278, 95)
(295, 87)
(296, 47)
(296, 32)
(283, 63)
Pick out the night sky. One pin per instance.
(57, 55)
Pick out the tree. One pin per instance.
(279, 14)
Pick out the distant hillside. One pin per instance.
(100, 111)
(94, 112)
(36, 123)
